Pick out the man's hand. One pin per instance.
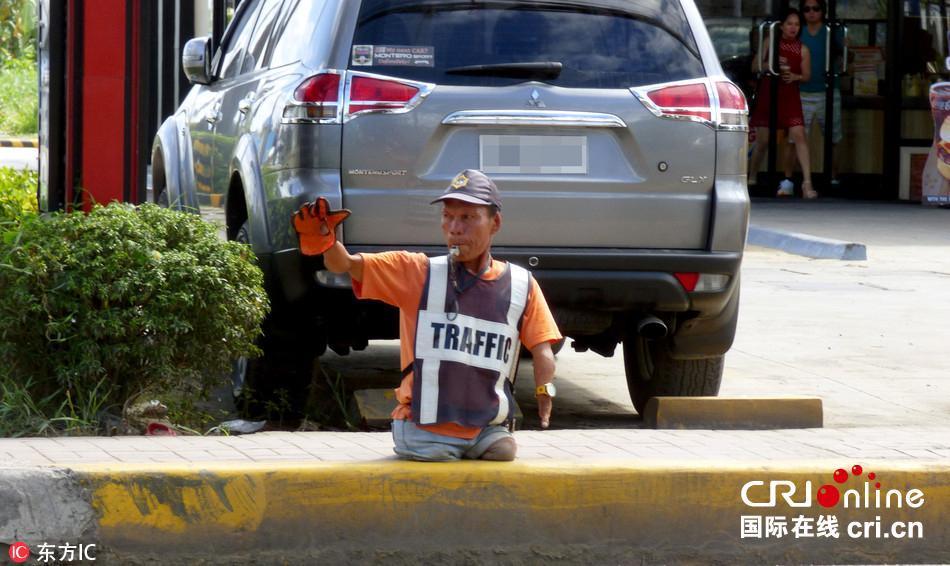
(544, 410)
(316, 225)
(542, 357)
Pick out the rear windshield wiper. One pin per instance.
(541, 69)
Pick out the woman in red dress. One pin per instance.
(795, 66)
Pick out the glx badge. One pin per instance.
(694, 179)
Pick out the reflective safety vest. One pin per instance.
(467, 347)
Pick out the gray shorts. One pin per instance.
(813, 109)
(414, 443)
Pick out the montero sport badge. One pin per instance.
(379, 172)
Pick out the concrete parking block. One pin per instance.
(806, 244)
(733, 413)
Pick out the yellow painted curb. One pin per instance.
(733, 412)
(606, 510)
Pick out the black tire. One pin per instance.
(653, 372)
(161, 197)
(274, 384)
(159, 185)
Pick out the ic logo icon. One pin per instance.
(19, 552)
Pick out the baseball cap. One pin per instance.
(472, 186)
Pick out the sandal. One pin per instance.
(808, 191)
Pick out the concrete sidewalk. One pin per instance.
(914, 444)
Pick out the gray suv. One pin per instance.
(618, 143)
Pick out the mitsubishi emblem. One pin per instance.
(535, 99)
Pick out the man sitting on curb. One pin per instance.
(462, 318)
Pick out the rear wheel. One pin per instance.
(653, 372)
(159, 185)
(273, 385)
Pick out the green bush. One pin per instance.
(122, 300)
(17, 27)
(17, 194)
(19, 97)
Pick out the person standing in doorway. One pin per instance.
(814, 36)
(795, 64)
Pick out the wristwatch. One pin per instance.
(546, 389)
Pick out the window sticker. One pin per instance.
(394, 55)
(362, 55)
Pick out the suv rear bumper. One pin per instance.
(613, 280)
(626, 280)
(599, 291)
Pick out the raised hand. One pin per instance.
(316, 225)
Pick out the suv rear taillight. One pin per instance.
(694, 101)
(320, 98)
(316, 100)
(375, 93)
(733, 109)
(682, 101)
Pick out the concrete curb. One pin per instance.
(524, 512)
(806, 244)
(44, 505)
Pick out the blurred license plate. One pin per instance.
(533, 154)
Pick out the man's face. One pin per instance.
(812, 11)
(469, 227)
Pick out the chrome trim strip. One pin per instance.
(533, 118)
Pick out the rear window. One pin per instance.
(595, 46)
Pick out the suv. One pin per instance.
(618, 143)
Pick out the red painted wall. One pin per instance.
(103, 101)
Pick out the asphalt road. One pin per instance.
(869, 338)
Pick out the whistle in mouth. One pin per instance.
(454, 251)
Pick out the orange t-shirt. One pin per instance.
(397, 278)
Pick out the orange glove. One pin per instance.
(316, 224)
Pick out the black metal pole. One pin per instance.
(831, 78)
(892, 115)
(218, 22)
(773, 128)
(52, 190)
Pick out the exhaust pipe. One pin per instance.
(651, 328)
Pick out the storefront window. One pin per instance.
(878, 130)
(861, 9)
